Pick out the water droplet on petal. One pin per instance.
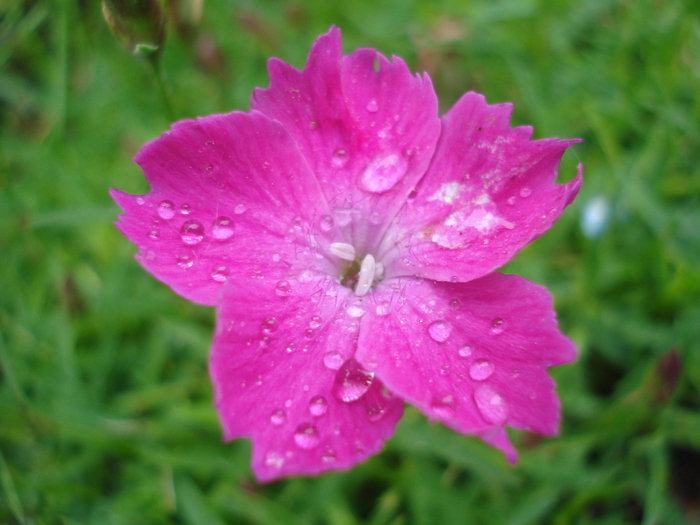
(440, 330)
(333, 360)
(270, 325)
(511, 200)
(223, 228)
(481, 370)
(318, 406)
(278, 417)
(375, 412)
(498, 325)
(239, 209)
(352, 381)
(455, 304)
(328, 456)
(140, 201)
(525, 192)
(383, 308)
(326, 223)
(153, 235)
(166, 210)
(356, 309)
(209, 168)
(315, 322)
(309, 333)
(492, 406)
(465, 351)
(372, 106)
(185, 209)
(283, 288)
(383, 172)
(340, 158)
(274, 460)
(220, 273)
(443, 405)
(192, 232)
(306, 436)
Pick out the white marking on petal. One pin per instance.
(447, 192)
(343, 250)
(366, 276)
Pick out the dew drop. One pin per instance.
(318, 406)
(209, 168)
(274, 460)
(309, 333)
(455, 304)
(306, 436)
(481, 370)
(185, 209)
(375, 412)
(326, 223)
(333, 360)
(491, 405)
(315, 322)
(184, 261)
(498, 325)
(383, 308)
(351, 381)
(220, 273)
(276, 257)
(192, 232)
(153, 235)
(356, 309)
(283, 288)
(372, 106)
(223, 228)
(340, 158)
(465, 351)
(440, 330)
(328, 456)
(239, 209)
(443, 405)
(525, 192)
(166, 210)
(140, 201)
(383, 172)
(278, 417)
(270, 325)
(511, 200)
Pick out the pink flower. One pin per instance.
(349, 238)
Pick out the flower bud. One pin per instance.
(139, 24)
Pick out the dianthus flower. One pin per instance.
(349, 237)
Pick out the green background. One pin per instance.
(106, 414)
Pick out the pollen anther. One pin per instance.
(366, 275)
(343, 250)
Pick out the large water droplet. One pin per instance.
(223, 228)
(192, 232)
(270, 325)
(326, 223)
(440, 330)
(318, 406)
(443, 405)
(220, 273)
(498, 325)
(306, 436)
(278, 417)
(372, 106)
(351, 381)
(340, 158)
(166, 210)
(383, 172)
(481, 369)
(283, 288)
(333, 360)
(465, 351)
(492, 406)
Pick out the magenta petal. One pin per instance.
(284, 376)
(231, 195)
(472, 355)
(365, 125)
(489, 191)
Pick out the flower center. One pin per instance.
(359, 274)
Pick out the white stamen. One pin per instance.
(343, 250)
(378, 270)
(366, 275)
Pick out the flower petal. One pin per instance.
(489, 191)
(284, 376)
(472, 355)
(366, 126)
(231, 196)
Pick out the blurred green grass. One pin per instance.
(105, 403)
